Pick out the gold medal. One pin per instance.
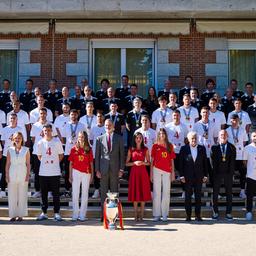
(223, 159)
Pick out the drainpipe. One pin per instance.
(52, 24)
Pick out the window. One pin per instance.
(112, 59)
(8, 61)
(242, 61)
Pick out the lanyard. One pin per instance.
(73, 131)
(223, 152)
(235, 136)
(187, 115)
(114, 121)
(240, 116)
(89, 123)
(163, 115)
(137, 119)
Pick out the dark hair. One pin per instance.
(65, 104)
(188, 76)
(213, 99)
(13, 114)
(209, 81)
(30, 81)
(176, 111)
(162, 97)
(134, 85)
(43, 109)
(134, 138)
(146, 116)
(154, 97)
(233, 80)
(169, 146)
(73, 111)
(53, 80)
(238, 99)
(6, 80)
(125, 76)
(249, 83)
(186, 95)
(205, 108)
(47, 125)
(104, 80)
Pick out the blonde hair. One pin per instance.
(15, 135)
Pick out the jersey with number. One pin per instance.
(149, 137)
(49, 151)
(217, 117)
(7, 133)
(37, 133)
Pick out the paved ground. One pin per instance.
(173, 238)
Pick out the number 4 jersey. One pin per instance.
(50, 151)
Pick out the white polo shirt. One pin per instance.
(208, 142)
(149, 137)
(249, 155)
(50, 151)
(188, 116)
(67, 132)
(244, 118)
(177, 135)
(88, 122)
(217, 117)
(161, 117)
(60, 122)
(96, 131)
(37, 132)
(7, 133)
(241, 136)
(34, 115)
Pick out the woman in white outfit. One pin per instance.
(17, 176)
(80, 173)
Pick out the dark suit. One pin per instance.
(193, 172)
(223, 170)
(109, 162)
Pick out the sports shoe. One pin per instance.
(215, 216)
(42, 216)
(74, 218)
(96, 194)
(249, 216)
(193, 196)
(229, 216)
(49, 195)
(219, 196)
(3, 194)
(155, 219)
(37, 194)
(183, 195)
(164, 219)
(57, 217)
(242, 194)
(82, 219)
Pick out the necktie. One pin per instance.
(109, 143)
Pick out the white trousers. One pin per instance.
(161, 193)
(80, 178)
(18, 199)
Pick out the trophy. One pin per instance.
(112, 210)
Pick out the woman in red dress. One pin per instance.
(139, 183)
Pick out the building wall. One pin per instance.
(196, 54)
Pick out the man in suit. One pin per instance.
(109, 160)
(223, 157)
(193, 172)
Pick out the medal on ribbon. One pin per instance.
(223, 152)
(163, 115)
(187, 115)
(73, 132)
(89, 123)
(235, 136)
(137, 119)
(206, 128)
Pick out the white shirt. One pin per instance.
(249, 155)
(193, 152)
(22, 120)
(217, 117)
(67, 133)
(7, 133)
(37, 132)
(206, 140)
(149, 137)
(96, 131)
(34, 115)
(244, 118)
(50, 151)
(60, 122)
(177, 135)
(241, 136)
(88, 122)
(161, 117)
(188, 116)
(2, 117)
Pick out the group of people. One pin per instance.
(87, 137)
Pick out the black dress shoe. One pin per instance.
(101, 219)
(198, 219)
(188, 219)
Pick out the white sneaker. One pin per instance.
(219, 196)
(3, 194)
(42, 216)
(74, 218)
(155, 219)
(82, 219)
(242, 194)
(183, 195)
(96, 194)
(49, 195)
(37, 194)
(193, 196)
(57, 217)
(164, 219)
(248, 216)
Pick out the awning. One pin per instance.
(226, 26)
(24, 27)
(164, 28)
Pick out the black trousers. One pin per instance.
(228, 183)
(250, 192)
(3, 182)
(210, 171)
(177, 168)
(50, 183)
(96, 180)
(66, 171)
(36, 166)
(190, 187)
(242, 171)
